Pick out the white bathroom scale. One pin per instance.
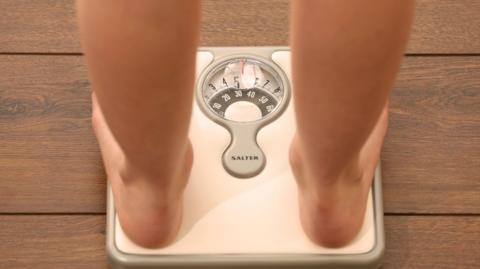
(240, 204)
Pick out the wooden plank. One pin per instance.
(78, 242)
(38, 26)
(50, 161)
(441, 26)
(432, 242)
(49, 158)
(52, 242)
(431, 156)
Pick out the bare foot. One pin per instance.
(149, 207)
(332, 210)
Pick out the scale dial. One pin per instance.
(243, 90)
(243, 94)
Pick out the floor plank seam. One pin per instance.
(414, 214)
(52, 213)
(81, 54)
(104, 214)
(442, 54)
(43, 53)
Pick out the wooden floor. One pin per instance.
(52, 186)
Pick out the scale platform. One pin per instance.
(240, 205)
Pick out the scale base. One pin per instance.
(246, 223)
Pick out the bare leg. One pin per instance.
(141, 61)
(345, 58)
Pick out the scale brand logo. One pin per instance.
(244, 158)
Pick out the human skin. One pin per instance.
(345, 56)
(141, 59)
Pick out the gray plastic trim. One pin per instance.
(368, 260)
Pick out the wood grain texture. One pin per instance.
(52, 242)
(38, 26)
(78, 242)
(48, 154)
(431, 156)
(49, 26)
(432, 242)
(50, 161)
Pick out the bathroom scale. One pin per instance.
(240, 204)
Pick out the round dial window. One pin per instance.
(243, 90)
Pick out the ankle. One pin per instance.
(318, 174)
(159, 172)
